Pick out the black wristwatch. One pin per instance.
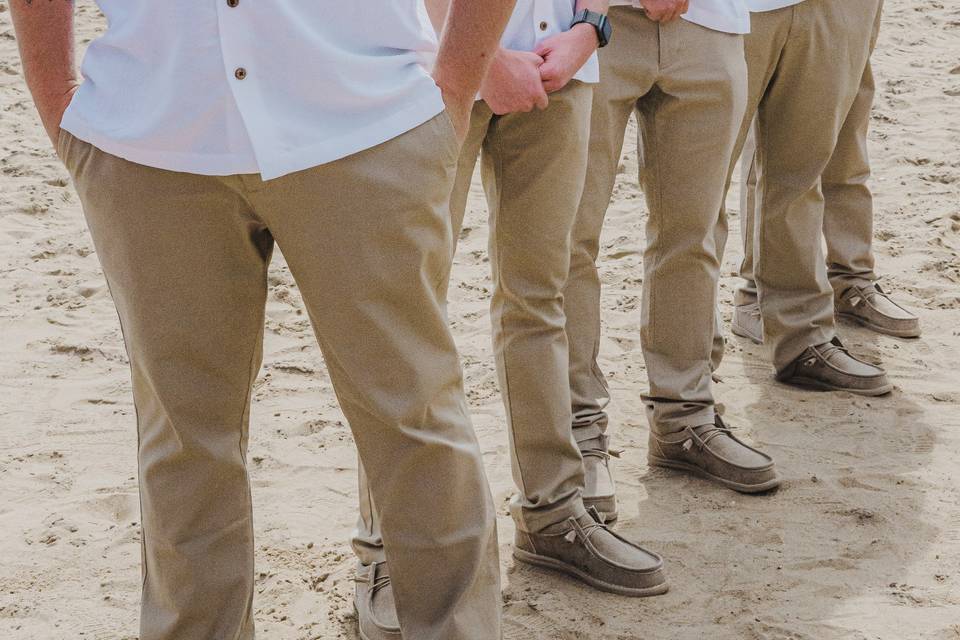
(599, 22)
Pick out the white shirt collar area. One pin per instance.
(728, 16)
(218, 87)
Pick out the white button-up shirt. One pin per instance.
(729, 16)
(536, 20)
(759, 6)
(218, 87)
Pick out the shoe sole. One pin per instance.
(737, 331)
(863, 322)
(547, 562)
(819, 385)
(730, 484)
(360, 632)
(356, 612)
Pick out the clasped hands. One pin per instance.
(520, 81)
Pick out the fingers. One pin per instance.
(680, 9)
(668, 11)
(537, 58)
(542, 100)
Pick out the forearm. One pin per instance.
(598, 6)
(437, 10)
(469, 40)
(44, 30)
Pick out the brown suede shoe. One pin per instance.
(373, 600)
(872, 307)
(587, 550)
(747, 322)
(830, 367)
(713, 452)
(599, 490)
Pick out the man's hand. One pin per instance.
(564, 54)
(459, 109)
(513, 83)
(468, 43)
(665, 10)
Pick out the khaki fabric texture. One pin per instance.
(809, 98)
(686, 85)
(847, 198)
(533, 167)
(368, 240)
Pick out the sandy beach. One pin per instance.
(861, 542)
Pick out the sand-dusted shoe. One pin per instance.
(599, 490)
(713, 452)
(373, 600)
(587, 550)
(747, 322)
(872, 307)
(830, 367)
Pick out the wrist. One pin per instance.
(586, 33)
(452, 90)
(54, 93)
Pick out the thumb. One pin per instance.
(542, 101)
(548, 70)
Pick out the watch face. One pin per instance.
(607, 30)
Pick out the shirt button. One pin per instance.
(232, 3)
(543, 26)
(240, 73)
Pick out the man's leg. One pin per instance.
(627, 72)
(848, 202)
(186, 261)
(762, 49)
(817, 82)
(690, 124)
(747, 320)
(368, 239)
(533, 168)
(848, 224)
(534, 165)
(367, 540)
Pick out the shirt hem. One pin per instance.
(368, 137)
(716, 22)
(327, 151)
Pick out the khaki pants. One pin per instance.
(533, 167)
(368, 240)
(810, 93)
(847, 202)
(686, 84)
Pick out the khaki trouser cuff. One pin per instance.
(667, 418)
(788, 350)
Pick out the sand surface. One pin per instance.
(863, 541)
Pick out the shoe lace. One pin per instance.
(706, 436)
(602, 450)
(827, 351)
(584, 531)
(381, 581)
